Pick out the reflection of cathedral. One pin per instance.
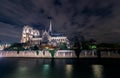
(34, 37)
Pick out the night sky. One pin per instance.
(96, 19)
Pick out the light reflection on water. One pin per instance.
(68, 69)
(48, 68)
(97, 71)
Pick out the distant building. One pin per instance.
(3, 46)
(34, 37)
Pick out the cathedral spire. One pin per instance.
(50, 28)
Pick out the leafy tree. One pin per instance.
(89, 45)
(63, 46)
(52, 51)
(77, 46)
(37, 52)
(16, 47)
(36, 48)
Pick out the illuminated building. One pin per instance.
(3, 46)
(34, 37)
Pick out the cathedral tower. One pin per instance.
(50, 28)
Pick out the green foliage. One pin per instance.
(63, 46)
(15, 47)
(35, 48)
(43, 52)
(86, 45)
(94, 47)
(37, 52)
(52, 51)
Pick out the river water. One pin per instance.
(59, 68)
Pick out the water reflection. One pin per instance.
(55, 68)
(21, 72)
(46, 69)
(97, 71)
(69, 69)
(22, 69)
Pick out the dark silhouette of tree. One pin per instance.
(98, 53)
(77, 46)
(16, 47)
(36, 48)
(86, 45)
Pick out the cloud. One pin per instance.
(93, 19)
(9, 33)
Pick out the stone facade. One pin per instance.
(34, 37)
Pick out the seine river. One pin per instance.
(59, 68)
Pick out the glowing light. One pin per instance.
(46, 68)
(68, 70)
(22, 69)
(46, 47)
(93, 47)
(97, 71)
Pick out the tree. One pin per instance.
(16, 47)
(63, 46)
(77, 46)
(77, 49)
(52, 51)
(36, 48)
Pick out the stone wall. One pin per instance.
(59, 54)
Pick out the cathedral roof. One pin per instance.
(57, 34)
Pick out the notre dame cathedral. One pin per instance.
(34, 37)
